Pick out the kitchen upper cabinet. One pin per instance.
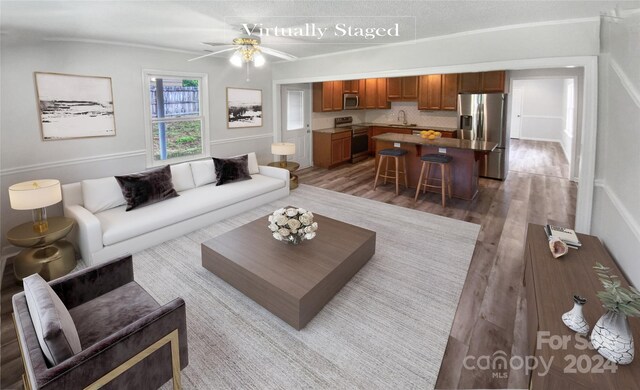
(327, 96)
(492, 81)
(438, 92)
(469, 82)
(351, 86)
(337, 96)
(402, 88)
(375, 94)
(382, 101)
(430, 97)
(450, 92)
(481, 82)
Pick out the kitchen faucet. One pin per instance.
(404, 117)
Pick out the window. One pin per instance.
(295, 110)
(176, 116)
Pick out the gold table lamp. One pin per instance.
(36, 195)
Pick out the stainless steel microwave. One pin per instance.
(350, 101)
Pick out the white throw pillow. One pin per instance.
(56, 332)
(203, 172)
(181, 177)
(101, 194)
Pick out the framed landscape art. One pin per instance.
(244, 108)
(73, 106)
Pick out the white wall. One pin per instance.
(570, 141)
(616, 215)
(542, 109)
(24, 156)
(559, 39)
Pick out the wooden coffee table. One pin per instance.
(293, 282)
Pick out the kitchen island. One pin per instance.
(464, 167)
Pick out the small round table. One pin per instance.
(47, 254)
(291, 167)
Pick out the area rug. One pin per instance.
(386, 328)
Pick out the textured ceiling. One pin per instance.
(186, 24)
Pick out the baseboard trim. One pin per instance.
(541, 139)
(73, 161)
(240, 139)
(633, 225)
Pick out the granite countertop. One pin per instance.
(476, 146)
(408, 127)
(333, 130)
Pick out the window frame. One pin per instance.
(203, 95)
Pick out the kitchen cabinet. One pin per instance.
(327, 96)
(372, 143)
(377, 130)
(402, 88)
(492, 81)
(481, 82)
(331, 149)
(430, 97)
(450, 92)
(438, 92)
(351, 86)
(375, 94)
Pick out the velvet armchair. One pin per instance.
(128, 340)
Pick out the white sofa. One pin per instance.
(105, 230)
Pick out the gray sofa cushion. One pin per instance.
(52, 322)
(111, 312)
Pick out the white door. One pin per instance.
(296, 118)
(516, 111)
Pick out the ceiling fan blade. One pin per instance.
(278, 53)
(215, 44)
(213, 53)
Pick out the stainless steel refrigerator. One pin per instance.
(483, 117)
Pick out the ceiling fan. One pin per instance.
(247, 48)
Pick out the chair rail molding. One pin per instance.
(72, 161)
(240, 139)
(632, 224)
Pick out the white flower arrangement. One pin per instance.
(292, 225)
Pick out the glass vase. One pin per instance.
(295, 239)
(612, 338)
(574, 318)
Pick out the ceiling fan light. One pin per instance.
(236, 59)
(258, 59)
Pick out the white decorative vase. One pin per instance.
(612, 338)
(574, 318)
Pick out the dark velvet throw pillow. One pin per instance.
(144, 188)
(231, 169)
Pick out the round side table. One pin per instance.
(291, 167)
(47, 254)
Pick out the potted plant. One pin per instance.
(611, 336)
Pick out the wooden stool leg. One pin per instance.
(449, 181)
(443, 178)
(396, 161)
(420, 180)
(375, 182)
(426, 179)
(386, 169)
(404, 171)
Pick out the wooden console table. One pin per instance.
(550, 285)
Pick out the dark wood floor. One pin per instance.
(491, 311)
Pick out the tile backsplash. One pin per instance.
(324, 120)
(421, 118)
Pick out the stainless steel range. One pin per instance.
(359, 140)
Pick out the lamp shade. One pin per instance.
(34, 194)
(283, 148)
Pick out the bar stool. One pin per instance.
(386, 155)
(443, 161)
